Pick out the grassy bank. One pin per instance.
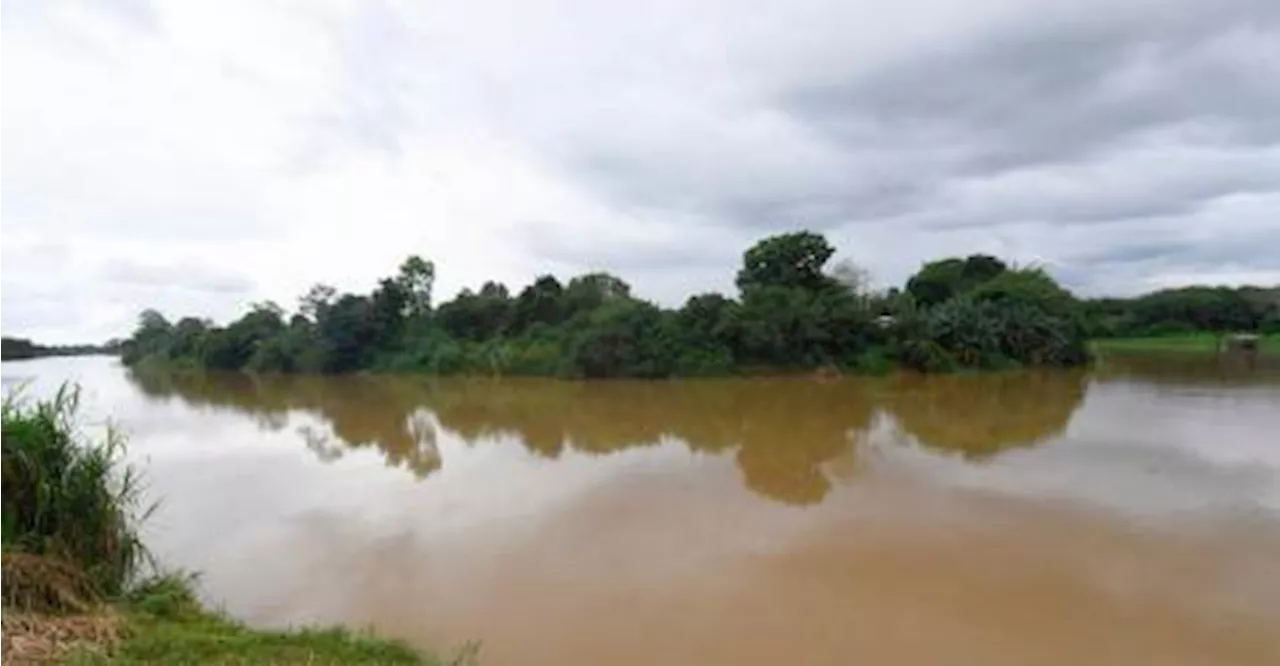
(1192, 343)
(79, 586)
(161, 622)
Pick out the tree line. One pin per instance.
(1195, 309)
(16, 349)
(791, 312)
(13, 349)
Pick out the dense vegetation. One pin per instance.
(19, 348)
(1186, 311)
(75, 587)
(790, 314)
(12, 349)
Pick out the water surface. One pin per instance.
(1126, 515)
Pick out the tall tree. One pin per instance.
(317, 298)
(345, 332)
(477, 316)
(417, 277)
(588, 292)
(788, 260)
(539, 303)
(390, 304)
(939, 281)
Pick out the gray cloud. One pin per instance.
(1249, 250)
(1108, 113)
(1059, 88)
(200, 157)
(186, 275)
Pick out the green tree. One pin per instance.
(793, 260)
(939, 281)
(231, 348)
(344, 332)
(390, 303)
(978, 268)
(1029, 285)
(707, 320)
(706, 327)
(313, 303)
(624, 338)
(18, 348)
(777, 328)
(152, 338)
(936, 281)
(417, 277)
(478, 316)
(539, 303)
(588, 292)
(1018, 317)
(188, 337)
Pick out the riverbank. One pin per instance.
(1193, 343)
(78, 585)
(163, 623)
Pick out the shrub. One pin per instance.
(704, 362)
(67, 498)
(534, 357)
(874, 361)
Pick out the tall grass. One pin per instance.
(67, 497)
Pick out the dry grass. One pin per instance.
(39, 592)
(33, 638)
(39, 584)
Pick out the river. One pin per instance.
(1125, 515)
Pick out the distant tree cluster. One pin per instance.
(12, 349)
(791, 313)
(1196, 309)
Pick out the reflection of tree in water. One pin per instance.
(783, 429)
(982, 415)
(1180, 369)
(476, 409)
(359, 411)
(788, 433)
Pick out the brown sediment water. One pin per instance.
(1125, 515)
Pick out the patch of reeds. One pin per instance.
(71, 506)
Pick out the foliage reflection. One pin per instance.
(781, 432)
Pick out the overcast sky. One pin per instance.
(199, 156)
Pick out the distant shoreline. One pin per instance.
(19, 349)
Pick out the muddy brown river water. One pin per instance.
(1125, 515)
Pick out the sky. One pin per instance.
(197, 157)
